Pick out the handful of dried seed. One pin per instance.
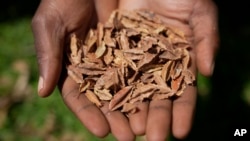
(131, 58)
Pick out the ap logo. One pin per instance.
(240, 132)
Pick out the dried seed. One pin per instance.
(174, 54)
(75, 55)
(129, 108)
(120, 98)
(108, 56)
(176, 83)
(165, 73)
(77, 77)
(158, 79)
(103, 94)
(108, 40)
(148, 57)
(83, 87)
(108, 79)
(123, 40)
(91, 39)
(100, 50)
(93, 98)
(189, 78)
(140, 89)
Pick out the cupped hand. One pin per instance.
(198, 20)
(52, 25)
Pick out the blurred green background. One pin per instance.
(223, 103)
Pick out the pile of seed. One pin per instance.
(131, 58)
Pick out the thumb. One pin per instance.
(204, 24)
(49, 38)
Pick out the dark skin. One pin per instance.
(55, 20)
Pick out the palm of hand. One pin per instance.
(197, 19)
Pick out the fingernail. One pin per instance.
(40, 84)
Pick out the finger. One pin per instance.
(159, 120)
(104, 9)
(184, 107)
(118, 123)
(87, 112)
(48, 35)
(183, 111)
(138, 120)
(204, 24)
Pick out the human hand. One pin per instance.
(198, 20)
(52, 25)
